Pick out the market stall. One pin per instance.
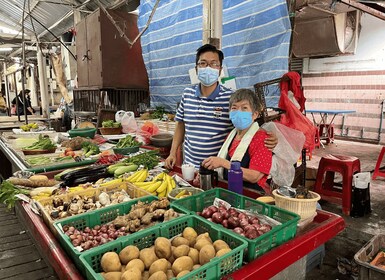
(83, 194)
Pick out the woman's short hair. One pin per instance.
(249, 95)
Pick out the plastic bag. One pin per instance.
(147, 130)
(286, 153)
(128, 122)
(293, 118)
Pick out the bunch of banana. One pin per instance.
(138, 176)
(161, 185)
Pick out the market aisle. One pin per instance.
(19, 258)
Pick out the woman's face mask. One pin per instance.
(241, 119)
(208, 76)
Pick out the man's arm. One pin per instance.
(176, 143)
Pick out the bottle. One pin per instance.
(235, 178)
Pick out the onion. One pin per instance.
(254, 220)
(71, 229)
(238, 230)
(249, 227)
(65, 228)
(242, 216)
(217, 218)
(98, 238)
(233, 222)
(103, 229)
(243, 222)
(122, 229)
(97, 227)
(207, 213)
(233, 212)
(224, 212)
(209, 219)
(103, 240)
(265, 228)
(87, 230)
(225, 223)
(94, 232)
(251, 234)
(213, 208)
(90, 237)
(72, 236)
(104, 235)
(75, 242)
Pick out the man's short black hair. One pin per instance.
(209, 48)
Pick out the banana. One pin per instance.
(152, 188)
(163, 194)
(142, 176)
(169, 185)
(133, 177)
(112, 182)
(143, 184)
(163, 186)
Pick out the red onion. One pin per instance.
(199, 213)
(225, 223)
(233, 222)
(71, 229)
(209, 219)
(72, 236)
(217, 218)
(233, 212)
(75, 242)
(98, 238)
(87, 230)
(251, 234)
(207, 213)
(265, 228)
(243, 222)
(97, 227)
(65, 228)
(94, 232)
(249, 227)
(104, 235)
(213, 208)
(103, 229)
(242, 216)
(254, 220)
(238, 230)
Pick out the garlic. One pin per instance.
(104, 199)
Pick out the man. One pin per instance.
(20, 105)
(202, 118)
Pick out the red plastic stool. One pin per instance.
(377, 171)
(346, 166)
(317, 142)
(329, 132)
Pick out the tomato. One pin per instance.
(70, 153)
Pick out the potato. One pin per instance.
(196, 266)
(205, 236)
(190, 234)
(170, 274)
(222, 252)
(148, 256)
(158, 265)
(145, 275)
(162, 247)
(110, 262)
(182, 273)
(182, 263)
(132, 274)
(201, 242)
(180, 251)
(177, 241)
(159, 275)
(220, 244)
(206, 254)
(128, 253)
(194, 255)
(169, 265)
(138, 263)
(114, 275)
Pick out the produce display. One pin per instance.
(62, 207)
(8, 192)
(83, 175)
(121, 168)
(45, 160)
(30, 127)
(161, 185)
(246, 225)
(166, 259)
(141, 215)
(148, 159)
(111, 124)
(31, 181)
(90, 149)
(128, 141)
(109, 159)
(44, 143)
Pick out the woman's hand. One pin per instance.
(215, 162)
(271, 141)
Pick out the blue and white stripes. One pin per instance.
(256, 37)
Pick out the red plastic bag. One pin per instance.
(147, 130)
(293, 118)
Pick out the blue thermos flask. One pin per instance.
(235, 178)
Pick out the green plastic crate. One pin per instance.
(262, 244)
(215, 269)
(91, 219)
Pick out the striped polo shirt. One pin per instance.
(206, 121)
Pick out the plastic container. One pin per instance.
(366, 254)
(215, 269)
(303, 207)
(98, 217)
(82, 132)
(129, 188)
(256, 247)
(235, 178)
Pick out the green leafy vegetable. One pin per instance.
(111, 123)
(128, 141)
(148, 159)
(8, 192)
(44, 143)
(90, 149)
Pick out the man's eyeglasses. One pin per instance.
(204, 64)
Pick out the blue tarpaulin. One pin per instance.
(255, 42)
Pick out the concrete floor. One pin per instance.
(358, 231)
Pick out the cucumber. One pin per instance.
(125, 169)
(111, 169)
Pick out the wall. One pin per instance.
(352, 82)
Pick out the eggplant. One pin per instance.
(83, 172)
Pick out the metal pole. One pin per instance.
(43, 84)
(7, 88)
(23, 82)
(17, 97)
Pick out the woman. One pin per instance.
(245, 143)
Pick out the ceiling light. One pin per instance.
(5, 49)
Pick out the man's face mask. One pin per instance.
(208, 76)
(241, 119)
